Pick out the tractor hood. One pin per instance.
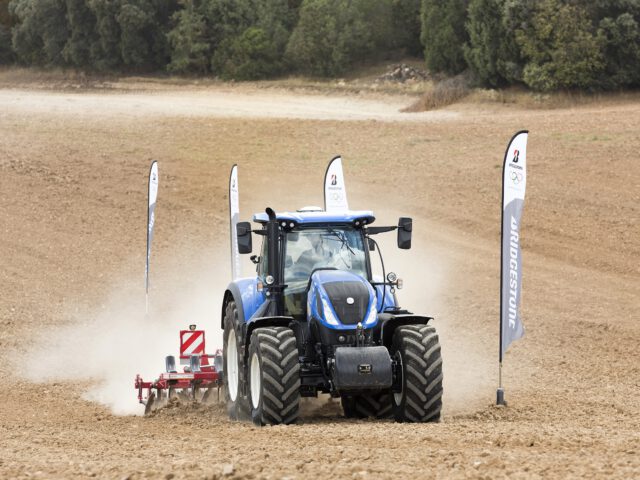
(340, 300)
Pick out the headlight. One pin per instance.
(392, 277)
(329, 317)
(373, 315)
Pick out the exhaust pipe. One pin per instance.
(273, 264)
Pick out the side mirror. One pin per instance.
(405, 225)
(372, 245)
(243, 229)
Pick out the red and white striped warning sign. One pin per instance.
(191, 342)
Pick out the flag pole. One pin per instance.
(500, 392)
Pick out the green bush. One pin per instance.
(6, 52)
(330, 36)
(252, 56)
(82, 34)
(105, 53)
(41, 31)
(620, 39)
(443, 35)
(227, 20)
(560, 48)
(264, 43)
(483, 53)
(492, 53)
(143, 43)
(516, 16)
(190, 50)
(406, 25)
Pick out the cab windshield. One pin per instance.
(324, 247)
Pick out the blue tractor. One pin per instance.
(315, 320)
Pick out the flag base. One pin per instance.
(500, 397)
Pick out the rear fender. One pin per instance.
(388, 323)
(248, 299)
(232, 293)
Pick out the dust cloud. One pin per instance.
(107, 346)
(431, 274)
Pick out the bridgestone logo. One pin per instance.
(513, 272)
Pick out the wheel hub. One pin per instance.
(232, 366)
(256, 381)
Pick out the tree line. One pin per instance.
(544, 44)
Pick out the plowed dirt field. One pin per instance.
(73, 334)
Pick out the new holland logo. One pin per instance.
(350, 300)
(516, 156)
(334, 179)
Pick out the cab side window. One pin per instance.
(262, 266)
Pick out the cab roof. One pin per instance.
(305, 218)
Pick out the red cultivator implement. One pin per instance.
(201, 374)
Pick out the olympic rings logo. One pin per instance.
(516, 177)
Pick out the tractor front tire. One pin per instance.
(369, 405)
(274, 376)
(418, 349)
(233, 366)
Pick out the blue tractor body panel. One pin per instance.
(388, 297)
(321, 307)
(246, 294)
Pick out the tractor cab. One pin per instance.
(311, 246)
(311, 241)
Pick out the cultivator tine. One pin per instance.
(149, 405)
(161, 399)
(206, 395)
(194, 392)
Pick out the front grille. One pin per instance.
(339, 292)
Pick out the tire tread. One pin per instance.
(280, 375)
(421, 352)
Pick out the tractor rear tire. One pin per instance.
(418, 348)
(233, 366)
(370, 405)
(274, 376)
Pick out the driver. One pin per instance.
(319, 255)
